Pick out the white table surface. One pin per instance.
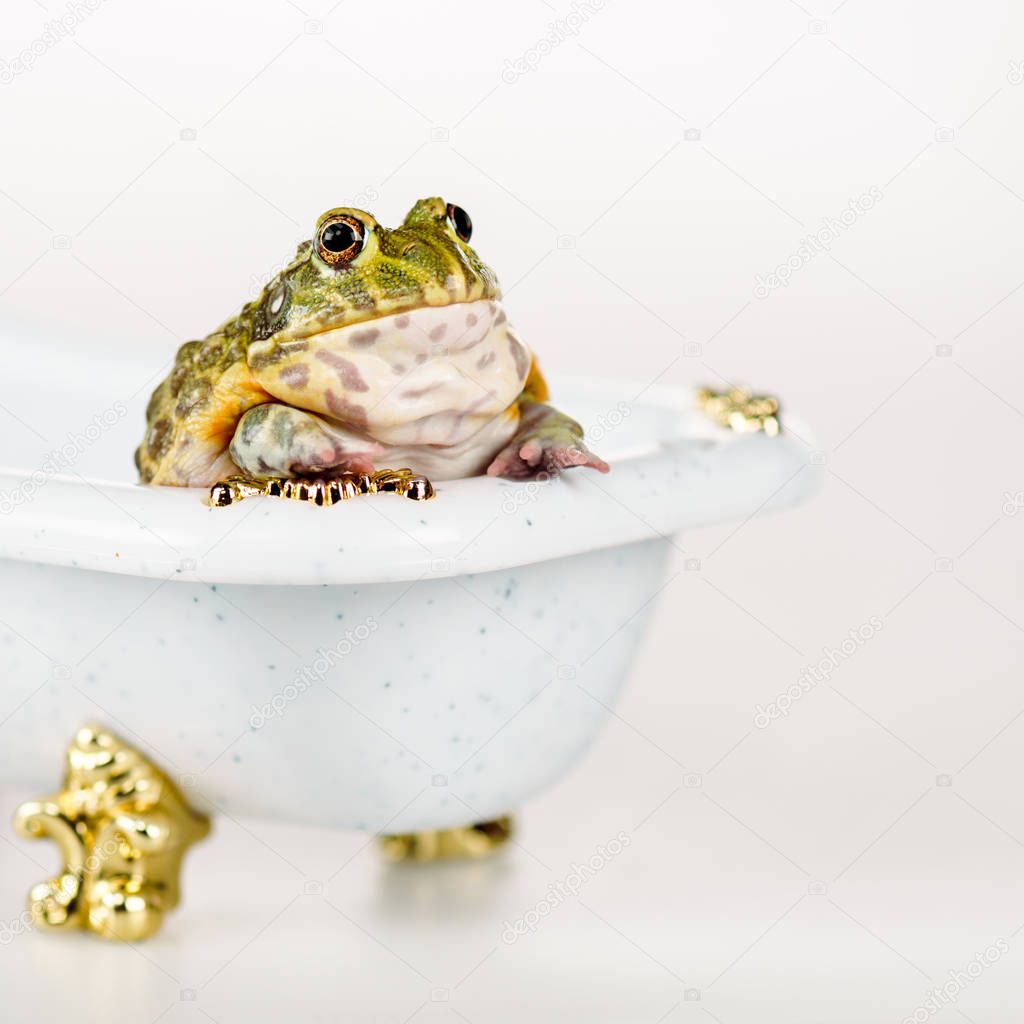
(705, 915)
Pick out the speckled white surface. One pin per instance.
(362, 706)
(358, 665)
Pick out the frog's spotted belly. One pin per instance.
(435, 387)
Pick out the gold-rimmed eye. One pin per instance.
(340, 240)
(460, 222)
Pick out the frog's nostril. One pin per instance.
(410, 247)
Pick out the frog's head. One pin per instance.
(354, 269)
(377, 327)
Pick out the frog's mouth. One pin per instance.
(462, 359)
(374, 307)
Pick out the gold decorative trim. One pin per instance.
(470, 841)
(323, 491)
(122, 828)
(740, 410)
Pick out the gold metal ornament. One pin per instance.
(470, 841)
(323, 491)
(740, 410)
(122, 828)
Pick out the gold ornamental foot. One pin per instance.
(122, 828)
(323, 490)
(741, 410)
(467, 842)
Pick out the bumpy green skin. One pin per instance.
(194, 413)
(421, 263)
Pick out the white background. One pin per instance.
(678, 151)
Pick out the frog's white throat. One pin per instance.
(442, 377)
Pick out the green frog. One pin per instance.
(373, 348)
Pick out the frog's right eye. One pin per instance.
(340, 240)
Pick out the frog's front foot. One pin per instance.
(547, 442)
(535, 457)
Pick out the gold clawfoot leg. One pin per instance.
(323, 490)
(470, 841)
(122, 828)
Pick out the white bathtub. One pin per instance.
(383, 664)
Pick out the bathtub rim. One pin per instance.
(691, 474)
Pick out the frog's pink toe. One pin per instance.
(531, 453)
(509, 464)
(333, 463)
(579, 456)
(559, 457)
(357, 464)
(502, 463)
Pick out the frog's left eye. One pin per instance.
(340, 240)
(460, 222)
